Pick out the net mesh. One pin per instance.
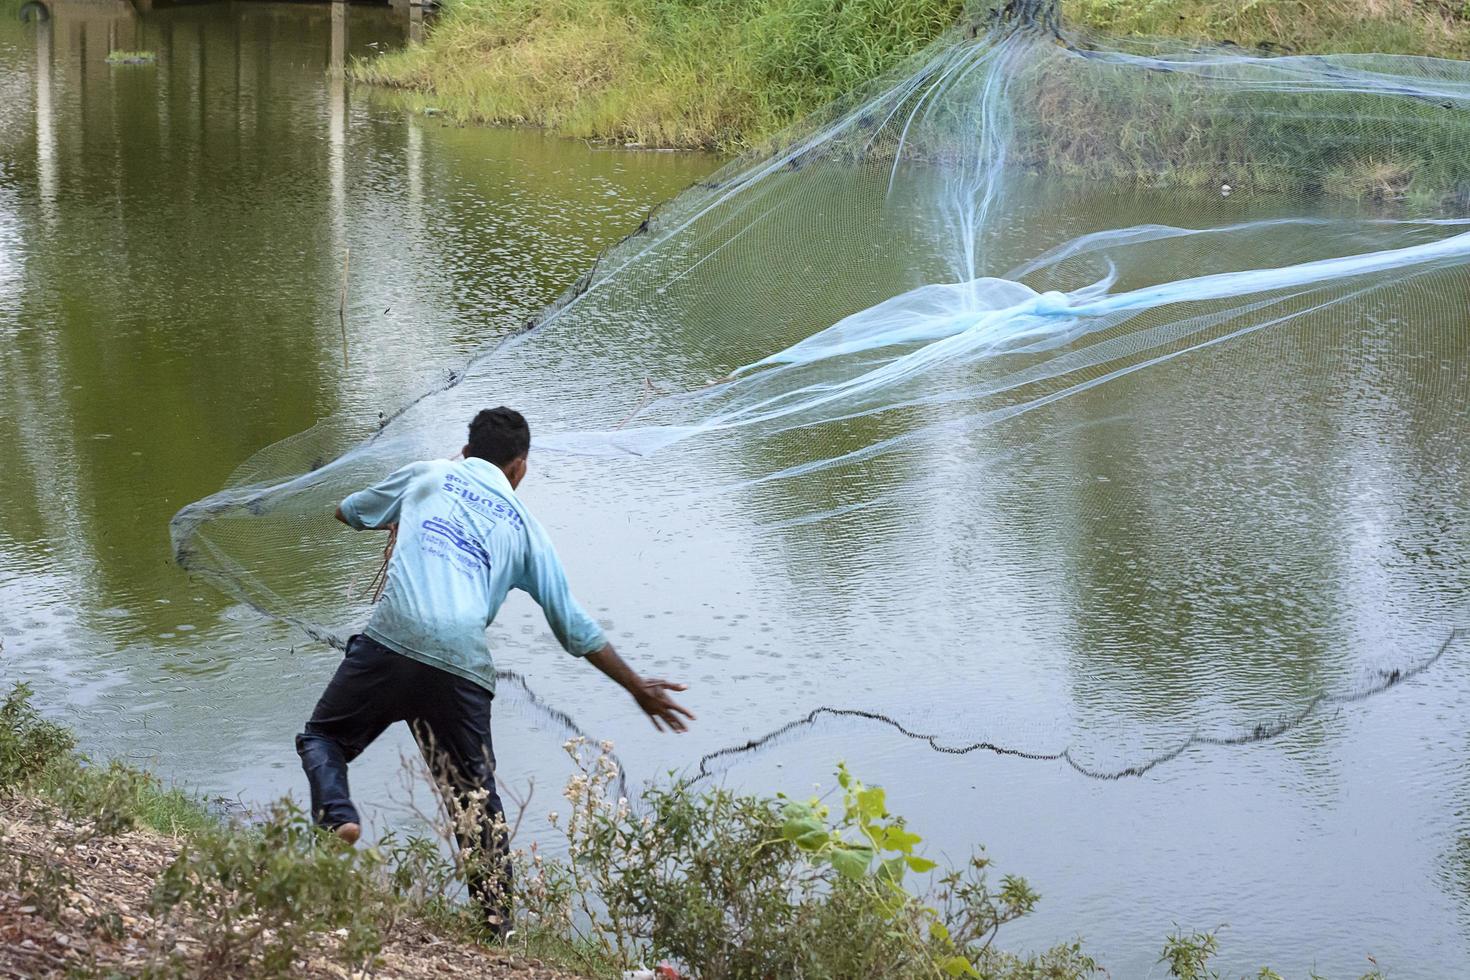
(1076, 398)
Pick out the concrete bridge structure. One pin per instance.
(201, 64)
(94, 28)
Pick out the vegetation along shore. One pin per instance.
(104, 872)
(726, 75)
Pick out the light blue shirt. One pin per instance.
(464, 541)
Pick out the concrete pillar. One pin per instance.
(416, 23)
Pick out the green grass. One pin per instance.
(727, 74)
(714, 74)
(38, 758)
(1439, 28)
(1162, 129)
(142, 799)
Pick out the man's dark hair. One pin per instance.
(499, 435)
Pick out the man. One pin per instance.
(463, 541)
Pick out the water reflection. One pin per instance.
(172, 240)
(45, 131)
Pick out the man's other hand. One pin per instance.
(652, 696)
(651, 693)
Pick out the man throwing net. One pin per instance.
(463, 541)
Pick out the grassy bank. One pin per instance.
(728, 73)
(104, 872)
(684, 73)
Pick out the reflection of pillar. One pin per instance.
(164, 78)
(337, 118)
(415, 23)
(45, 127)
(415, 165)
(123, 32)
(199, 87)
(247, 87)
(130, 33)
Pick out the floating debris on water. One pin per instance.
(132, 58)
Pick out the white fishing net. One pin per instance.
(1080, 398)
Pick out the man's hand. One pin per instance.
(651, 694)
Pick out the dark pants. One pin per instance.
(450, 719)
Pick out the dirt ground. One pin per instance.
(101, 924)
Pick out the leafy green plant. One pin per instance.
(1189, 954)
(28, 742)
(734, 886)
(875, 848)
(878, 833)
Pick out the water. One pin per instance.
(172, 253)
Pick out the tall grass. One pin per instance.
(726, 74)
(713, 74)
(37, 757)
(1440, 28)
(1167, 129)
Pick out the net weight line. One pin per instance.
(1262, 732)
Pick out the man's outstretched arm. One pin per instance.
(651, 693)
(579, 634)
(377, 507)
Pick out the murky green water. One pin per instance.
(171, 253)
(172, 242)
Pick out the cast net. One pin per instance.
(1078, 398)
